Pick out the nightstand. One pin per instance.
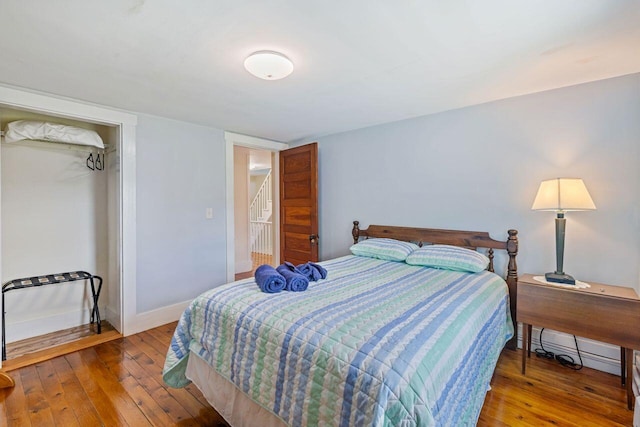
(604, 313)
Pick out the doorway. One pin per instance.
(251, 162)
(253, 210)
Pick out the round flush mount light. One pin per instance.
(268, 65)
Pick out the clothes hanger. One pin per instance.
(99, 163)
(90, 163)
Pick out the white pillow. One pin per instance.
(52, 132)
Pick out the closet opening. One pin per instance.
(59, 212)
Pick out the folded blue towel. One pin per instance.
(269, 280)
(308, 271)
(312, 271)
(321, 269)
(296, 282)
(291, 267)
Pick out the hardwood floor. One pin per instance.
(20, 348)
(119, 383)
(552, 395)
(44, 347)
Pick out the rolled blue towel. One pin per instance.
(313, 271)
(295, 281)
(269, 280)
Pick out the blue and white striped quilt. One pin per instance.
(378, 343)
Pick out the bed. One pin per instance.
(378, 342)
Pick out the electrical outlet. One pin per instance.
(209, 213)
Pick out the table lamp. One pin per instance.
(562, 195)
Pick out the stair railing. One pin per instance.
(262, 201)
(259, 217)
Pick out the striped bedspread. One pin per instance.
(377, 343)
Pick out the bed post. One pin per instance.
(512, 283)
(490, 256)
(355, 232)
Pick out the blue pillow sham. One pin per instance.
(448, 257)
(385, 249)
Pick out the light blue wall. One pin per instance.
(474, 168)
(479, 168)
(180, 172)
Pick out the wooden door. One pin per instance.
(299, 204)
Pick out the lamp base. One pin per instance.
(560, 278)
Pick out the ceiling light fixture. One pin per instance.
(268, 65)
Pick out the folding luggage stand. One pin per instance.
(49, 279)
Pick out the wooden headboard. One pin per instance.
(468, 239)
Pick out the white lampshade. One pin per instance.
(563, 194)
(268, 65)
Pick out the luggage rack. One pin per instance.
(49, 279)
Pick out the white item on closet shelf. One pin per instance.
(51, 132)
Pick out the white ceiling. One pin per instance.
(357, 62)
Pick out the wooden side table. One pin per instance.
(602, 312)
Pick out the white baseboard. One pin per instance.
(24, 329)
(142, 321)
(595, 354)
(112, 317)
(158, 317)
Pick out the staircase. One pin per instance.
(260, 212)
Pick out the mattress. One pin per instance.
(376, 343)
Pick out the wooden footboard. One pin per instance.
(468, 239)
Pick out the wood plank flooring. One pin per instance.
(119, 383)
(552, 395)
(20, 348)
(44, 347)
